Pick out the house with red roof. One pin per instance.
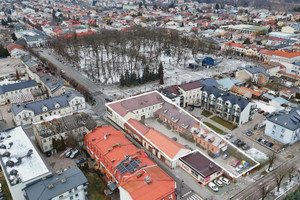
(123, 164)
(286, 56)
(16, 50)
(233, 48)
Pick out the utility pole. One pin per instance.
(181, 186)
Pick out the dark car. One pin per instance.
(240, 144)
(258, 139)
(48, 154)
(191, 108)
(270, 144)
(81, 160)
(269, 115)
(266, 113)
(260, 111)
(187, 146)
(174, 138)
(109, 99)
(236, 142)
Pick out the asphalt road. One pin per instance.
(93, 88)
(253, 191)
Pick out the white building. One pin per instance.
(284, 126)
(20, 161)
(25, 114)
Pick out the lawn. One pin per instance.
(96, 186)
(205, 113)
(224, 123)
(5, 189)
(214, 128)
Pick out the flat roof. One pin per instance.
(20, 159)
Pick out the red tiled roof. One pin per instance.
(286, 54)
(234, 44)
(164, 143)
(255, 93)
(12, 46)
(137, 125)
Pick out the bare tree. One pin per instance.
(279, 179)
(264, 190)
(291, 171)
(271, 159)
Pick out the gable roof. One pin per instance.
(17, 86)
(286, 54)
(289, 120)
(39, 190)
(209, 82)
(191, 86)
(12, 46)
(227, 96)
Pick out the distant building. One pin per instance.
(284, 126)
(68, 184)
(16, 50)
(55, 86)
(227, 105)
(67, 103)
(257, 75)
(17, 92)
(190, 93)
(128, 167)
(200, 167)
(20, 161)
(70, 125)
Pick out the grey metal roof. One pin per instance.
(209, 82)
(17, 86)
(289, 120)
(227, 96)
(257, 69)
(37, 106)
(40, 190)
(53, 83)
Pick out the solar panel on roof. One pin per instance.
(131, 166)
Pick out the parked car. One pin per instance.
(266, 113)
(235, 163)
(48, 154)
(264, 141)
(109, 99)
(239, 168)
(174, 138)
(191, 108)
(74, 154)
(213, 187)
(225, 156)
(81, 160)
(270, 144)
(68, 153)
(240, 144)
(236, 142)
(245, 147)
(218, 183)
(187, 146)
(260, 111)
(258, 139)
(224, 180)
(228, 136)
(249, 133)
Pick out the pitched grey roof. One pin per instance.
(53, 83)
(40, 190)
(209, 82)
(37, 106)
(289, 120)
(227, 96)
(17, 86)
(257, 69)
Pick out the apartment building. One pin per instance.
(190, 93)
(70, 102)
(226, 105)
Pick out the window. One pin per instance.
(171, 196)
(274, 126)
(283, 130)
(281, 136)
(71, 197)
(76, 195)
(273, 132)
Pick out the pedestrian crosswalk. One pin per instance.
(191, 196)
(194, 197)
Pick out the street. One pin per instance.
(253, 191)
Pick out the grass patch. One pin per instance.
(224, 123)
(96, 186)
(205, 113)
(289, 157)
(214, 128)
(5, 188)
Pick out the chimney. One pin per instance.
(287, 110)
(211, 165)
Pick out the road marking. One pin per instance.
(194, 197)
(186, 193)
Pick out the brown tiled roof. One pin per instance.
(191, 86)
(131, 104)
(200, 164)
(137, 125)
(173, 89)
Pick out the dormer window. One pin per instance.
(56, 105)
(45, 109)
